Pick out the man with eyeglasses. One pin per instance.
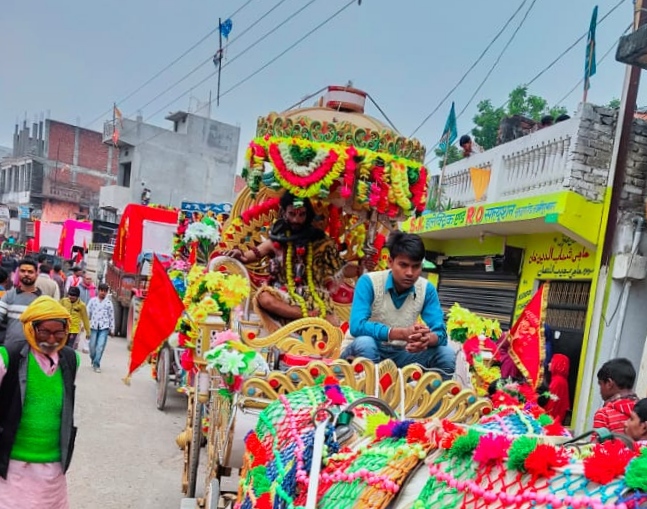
(37, 410)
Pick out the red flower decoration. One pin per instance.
(608, 461)
(544, 459)
(301, 251)
(186, 360)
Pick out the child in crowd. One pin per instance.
(636, 425)
(616, 380)
(79, 314)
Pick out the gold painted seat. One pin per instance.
(411, 392)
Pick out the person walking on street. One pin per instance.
(37, 385)
(87, 289)
(59, 278)
(45, 282)
(16, 300)
(79, 316)
(75, 279)
(102, 321)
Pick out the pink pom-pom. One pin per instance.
(345, 192)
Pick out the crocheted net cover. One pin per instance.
(365, 473)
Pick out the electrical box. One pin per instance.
(626, 266)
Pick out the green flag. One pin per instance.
(589, 66)
(450, 133)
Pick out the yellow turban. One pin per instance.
(43, 308)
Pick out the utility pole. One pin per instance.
(219, 59)
(607, 232)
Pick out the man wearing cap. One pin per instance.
(37, 410)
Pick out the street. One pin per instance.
(125, 455)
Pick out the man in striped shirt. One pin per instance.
(16, 300)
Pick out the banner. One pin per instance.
(526, 338)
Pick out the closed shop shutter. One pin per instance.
(488, 294)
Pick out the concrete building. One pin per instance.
(193, 161)
(536, 209)
(54, 172)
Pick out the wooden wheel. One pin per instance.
(190, 440)
(163, 376)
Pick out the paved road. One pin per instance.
(125, 455)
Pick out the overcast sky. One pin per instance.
(73, 58)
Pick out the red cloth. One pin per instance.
(158, 318)
(560, 401)
(614, 413)
(526, 338)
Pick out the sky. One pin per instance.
(74, 58)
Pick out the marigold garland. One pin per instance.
(388, 183)
(291, 284)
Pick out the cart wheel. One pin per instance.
(194, 445)
(163, 375)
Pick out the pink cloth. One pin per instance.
(31, 485)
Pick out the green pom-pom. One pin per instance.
(519, 451)
(464, 445)
(545, 420)
(636, 473)
(259, 480)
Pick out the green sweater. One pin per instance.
(38, 436)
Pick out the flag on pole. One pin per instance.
(158, 317)
(527, 339)
(589, 66)
(117, 114)
(450, 133)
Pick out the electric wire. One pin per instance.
(471, 68)
(210, 58)
(498, 59)
(168, 66)
(260, 69)
(545, 69)
(602, 59)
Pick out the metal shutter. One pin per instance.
(488, 294)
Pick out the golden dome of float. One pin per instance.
(335, 151)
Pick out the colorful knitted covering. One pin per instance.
(364, 473)
(474, 470)
(38, 436)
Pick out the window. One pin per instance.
(123, 179)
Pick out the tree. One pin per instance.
(488, 118)
(453, 155)
(614, 103)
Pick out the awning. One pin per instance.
(566, 212)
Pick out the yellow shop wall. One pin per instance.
(552, 256)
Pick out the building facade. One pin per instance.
(194, 161)
(535, 209)
(54, 172)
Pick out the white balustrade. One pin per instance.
(538, 163)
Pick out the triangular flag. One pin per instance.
(158, 317)
(527, 339)
(480, 181)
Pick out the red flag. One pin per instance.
(527, 341)
(193, 255)
(159, 314)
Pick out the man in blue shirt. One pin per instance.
(387, 305)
